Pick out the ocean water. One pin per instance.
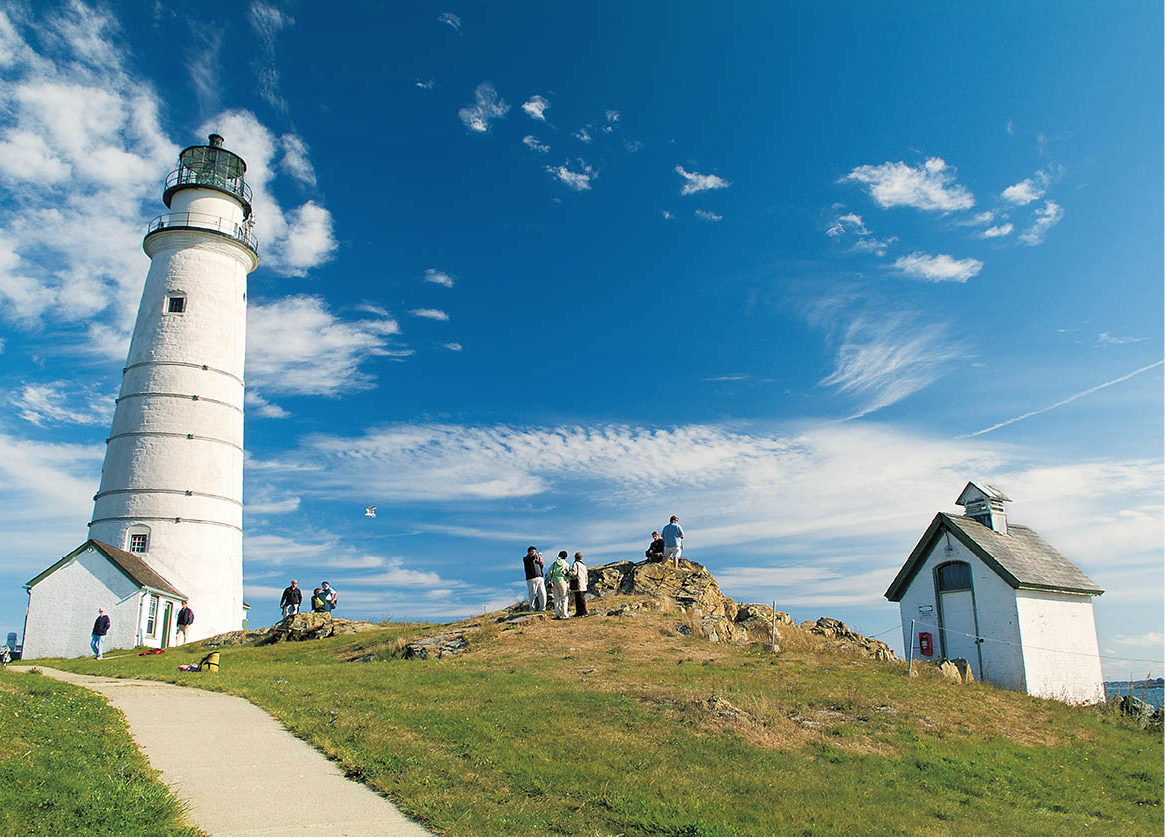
(1153, 695)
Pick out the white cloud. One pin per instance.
(940, 268)
(56, 402)
(533, 143)
(451, 20)
(204, 63)
(535, 107)
(985, 217)
(259, 406)
(580, 181)
(848, 222)
(708, 216)
(430, 314)
(453, 346)
(695, 182)
(295, 345)
(295, 159)
(1152, 638)
(668, 215)
(996, 232)
(438, 277)
(883, 358)
(486, 105)
(1023, 192)
(929, 187)
(612, 116)
(425, 85)
(582, 135)
(1113, 340)
(852, 224)
(633, 145)
(1046, 219)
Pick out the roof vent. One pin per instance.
(215, 141)
(984, 503)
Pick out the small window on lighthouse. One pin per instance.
(139, 539)
(175, 303)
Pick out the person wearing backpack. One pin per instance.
(578, 585)
(185, 620)
(318, 606)
(557, 577)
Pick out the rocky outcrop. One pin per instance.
(441, 645)
(692, 591)
(837, 630)
(312, 626)
(243, 637)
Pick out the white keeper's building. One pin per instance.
(170, 503)
(996, 594)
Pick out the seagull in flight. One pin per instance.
(370, 512)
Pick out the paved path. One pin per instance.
(240, 770)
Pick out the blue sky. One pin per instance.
(546, 276)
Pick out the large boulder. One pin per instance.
(690, 589)
(313, 626)
(832, 629)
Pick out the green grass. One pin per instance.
(69, 767)
(610, 726)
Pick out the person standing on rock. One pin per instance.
(535, 586)
(100, 629)
(578, 585)
(185, 620)
(291, 600)
(673, 541)
(557, 577)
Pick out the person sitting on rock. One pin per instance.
(655, 551)
(317, 602)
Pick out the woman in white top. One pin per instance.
(578, 585)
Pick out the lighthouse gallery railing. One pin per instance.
(205, 221)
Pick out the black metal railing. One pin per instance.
(205, 221)
(213, 178)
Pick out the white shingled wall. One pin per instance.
(1060, 651)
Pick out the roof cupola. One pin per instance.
(984, 503)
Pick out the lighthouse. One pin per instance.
(168, 515)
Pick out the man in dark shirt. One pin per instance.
(292, 597)
(535, 584)
(655, 551)
(100, 629)
(185, 618)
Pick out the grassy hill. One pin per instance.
(628, 725)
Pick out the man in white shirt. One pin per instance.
(673, 541)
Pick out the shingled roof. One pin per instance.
(1021, 558)
(131, 565)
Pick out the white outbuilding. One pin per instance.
(63, 601)
(997, 595)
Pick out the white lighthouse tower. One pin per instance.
(167, 520)
(172, 483)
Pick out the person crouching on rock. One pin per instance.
(318, 606)
(557, 576)
(578, 585)
(654, 553)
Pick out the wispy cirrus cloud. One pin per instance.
(1045, 219)
(451, 20)
(582, 134)
(695, 182)
(58, 403)
(267, 20)
(429, 314)
(938, 268)
(883, 358)
(930, 187)
(850, 227)
(707, 215)
(438, 278)
(487, 106)
(534, 144)
(579, 181)
(535, 107)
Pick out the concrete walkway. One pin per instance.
(240, 770)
